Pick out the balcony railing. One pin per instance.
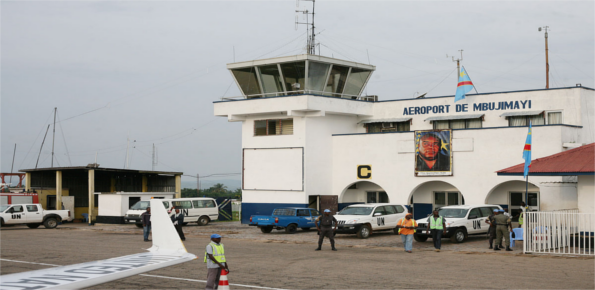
(303, 92)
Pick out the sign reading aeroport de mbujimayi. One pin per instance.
(461, 108)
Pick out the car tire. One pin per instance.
(458, 236)
(306, 229)
(419, 238)
(50, 223)
(364, 232)
(139, 225)
(33, 226)
(266, 230)
(203, 221)
(291, 229)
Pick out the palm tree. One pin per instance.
(219, 188)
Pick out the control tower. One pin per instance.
(304, 74)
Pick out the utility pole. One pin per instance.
(54, 135)
(547, 63)
(197, 184)
(12, 166)
(42, 142)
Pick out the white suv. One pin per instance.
(461, 221)
(363, 219)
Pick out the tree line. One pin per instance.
(217, 190)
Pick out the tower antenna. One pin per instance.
(311, 28)
(547, 63)
(458, 60)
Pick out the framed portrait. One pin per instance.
(433, 153)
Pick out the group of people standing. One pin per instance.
(177, 219)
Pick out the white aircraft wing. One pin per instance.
(167, 250)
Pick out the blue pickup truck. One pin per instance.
(287, 218)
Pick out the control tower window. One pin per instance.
(273, 127)
(271, 80)
(317, 73)
(246, 78)
(356, 81)
(294, 74)
(336, 81)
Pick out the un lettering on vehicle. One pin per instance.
(477, 224)
(16, 216)
(380, 221)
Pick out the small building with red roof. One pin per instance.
(576, 163)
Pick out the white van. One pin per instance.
(200, 210)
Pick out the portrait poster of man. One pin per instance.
(433, 155)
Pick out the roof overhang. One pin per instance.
(521, 113)
(293, 58)
(545, 173)
(384, 120)
(454, 117)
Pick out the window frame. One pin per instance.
(528, 119)
(547, 117)
(267, 127)
(384, 129)
(466, 123)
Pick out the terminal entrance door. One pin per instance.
(514, 203)
(322, 202)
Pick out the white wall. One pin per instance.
(274, 169)
(110, 205)
(586, 194)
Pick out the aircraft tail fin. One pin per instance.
(165, 237)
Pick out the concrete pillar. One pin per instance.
(91, 195)
(28, 181)
(58, 190)
(178, 186)
(145, 186)
(113, 184)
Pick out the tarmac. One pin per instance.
(281, 261)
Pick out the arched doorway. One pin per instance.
(362, 192)
(509, 195)
(431, 195)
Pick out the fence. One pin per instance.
(559, 232)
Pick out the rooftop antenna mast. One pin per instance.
(311, 40)
(458, 60)
(547, 63)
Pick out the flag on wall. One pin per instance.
(465, 85)
(527, 152)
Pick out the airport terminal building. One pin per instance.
(309, 138)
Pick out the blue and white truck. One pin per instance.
(286, 218)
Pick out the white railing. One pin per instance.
(559, 232)
(303, 92)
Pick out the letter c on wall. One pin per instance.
(364, 171)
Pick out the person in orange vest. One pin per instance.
(406, 228)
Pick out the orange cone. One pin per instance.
(223, 283)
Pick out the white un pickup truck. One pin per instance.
(32, 215)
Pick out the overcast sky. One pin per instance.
(152, 69)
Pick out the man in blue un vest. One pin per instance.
(437, 226)
(215, 259)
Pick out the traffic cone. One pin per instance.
(223, 283)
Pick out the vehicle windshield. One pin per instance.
(141, 205)
(453, 212)
(3, 207)
(356, 210)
